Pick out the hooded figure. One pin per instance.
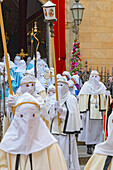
(50, 98)
(92, 104)
(28, 144)
(103, 153)
(12, 66)
(70, 123)
(27, 84)
(72, 87)
(41, 64)
(19, 73)
(67, 74)
(77, 81)
(16, 60)
(28, 60)
(39, 87)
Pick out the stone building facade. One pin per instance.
(96, 33)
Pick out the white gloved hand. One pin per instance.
(59, 109)
(56, 104)
(12, 100)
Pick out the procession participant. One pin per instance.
(28, 85)
(16, 60)
(72, 87)
(12, 66)
(38, 86)
(92, 104)
(102, 158)
(14, 85)
(19, 73)
(40, 62)
(70, 123)
(75, 79)
(50, 98)
(28, 144)
(67, 75)
(28, 60)
(58, 76)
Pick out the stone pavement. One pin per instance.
(83, 156)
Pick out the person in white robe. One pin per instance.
(72, 87)
(28, 60)
(92, 104)
(77, 81)
(16, 60)
(50, 98)
(12, 66)
(28, 144)
(39, 87)
(19, 72)
(27, 85)
(70, 123)
(67, 75)
(41, 64)
(102, 158)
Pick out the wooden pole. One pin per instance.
(56, 88)
(5, 50)
(55, 73)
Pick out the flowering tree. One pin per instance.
(75, 61)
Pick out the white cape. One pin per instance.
(87, 88)
(106, 148)
(27, 132)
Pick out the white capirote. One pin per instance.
(27, 132)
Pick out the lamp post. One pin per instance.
(49, 14)
(77, 13)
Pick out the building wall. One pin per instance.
(96, 33)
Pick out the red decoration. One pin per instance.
(59, 39)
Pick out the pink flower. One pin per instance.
(75, 43)
(76, 64)
(71, 52)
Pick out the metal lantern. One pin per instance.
(49, 11)
(77, 12)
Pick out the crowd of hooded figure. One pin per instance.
(35, 137)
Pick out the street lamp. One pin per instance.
(77, 12)
(49, 14)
